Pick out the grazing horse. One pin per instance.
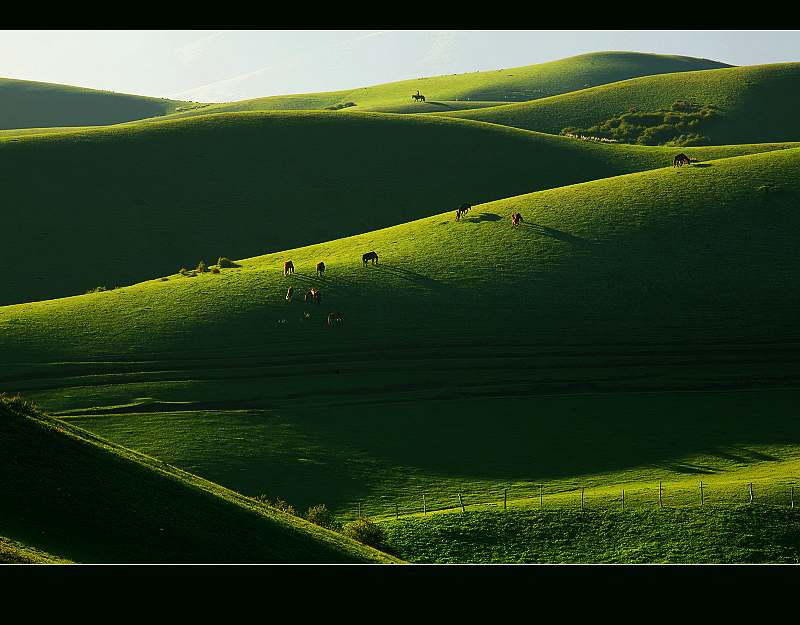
(289, 294)
(681, 160)
(288, 267)
(516, 218)
(369, 256)
(461, 210)
(334, 318)
(313, 296)
(320, 269)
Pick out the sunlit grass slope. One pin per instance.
(66, 491)
(656, 282)
(115, 206)
(476, 89)
(756, 103)
(27, 104)
(15, 552)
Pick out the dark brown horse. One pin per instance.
(320, 269)
(289, 294)
(334, 318)
(369, 256)
(681, 160)
(313, 296)
(461, 210)
(516, 219)
(288, 267)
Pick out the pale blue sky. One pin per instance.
(232, 65)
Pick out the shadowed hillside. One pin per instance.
(68, 492)
(27, 104)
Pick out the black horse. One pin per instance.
(681, 160)
(418, 97)
(369, 256)
(461, 210)
(320, 268)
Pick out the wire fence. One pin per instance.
(631, 496)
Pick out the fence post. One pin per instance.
(461, 501)
(660, 501)
(751, 492)
(582, 489)
(505, 499)
(701, 492)
(424, 506)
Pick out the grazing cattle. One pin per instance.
(369, 256)
(681, 160)
(320, 269)
(313, 296)
(334, 318)
(289, 294)
(516, 218)
(288, 267)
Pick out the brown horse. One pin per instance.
(320, 269)
(289, 294)
(369, 256)
(681, 160)
(516, 218)
(288, 267)
(334, 318)
(313, 296)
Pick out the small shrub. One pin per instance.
(278, 504)
(163, 279)
(320, 515)
(366, 532)
(201, 267)
(225, 263)
(97, 289)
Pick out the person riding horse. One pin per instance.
(417, 97)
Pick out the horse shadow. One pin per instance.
(556, 234)
(701, 164)
(412, 276)
(483, 217)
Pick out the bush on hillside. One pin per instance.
(320, 515)
(366, 532)
(201, 267)
(278, 504)
(225, 263)
(681, 125)
(337, 107)
(97, 289)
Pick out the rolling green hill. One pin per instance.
(756, 103)
(27, 104)
(69, 492)
(637, 327)
(478, 89)
(117, 205)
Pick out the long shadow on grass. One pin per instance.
(483, 217)
(556, 234)
(412, 276)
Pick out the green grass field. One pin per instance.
(69, 492)
(27, 104)
(457, 322)
(478, 89)
(757, 103)
(117, 205)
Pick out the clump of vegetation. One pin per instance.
(163, 279)
(681, 125)
(185, 272)
(337, 107)
(226, 263)
(215, 270)
(278, 504)
(97, 289)
(201, 267)
(322, 516)
(366, 532)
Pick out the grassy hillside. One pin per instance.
(115, 206)
(27, 104)
(728, 535)
(15, 552)
(66, 491)
(756, 103)
(477, 89)
(458, 321)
